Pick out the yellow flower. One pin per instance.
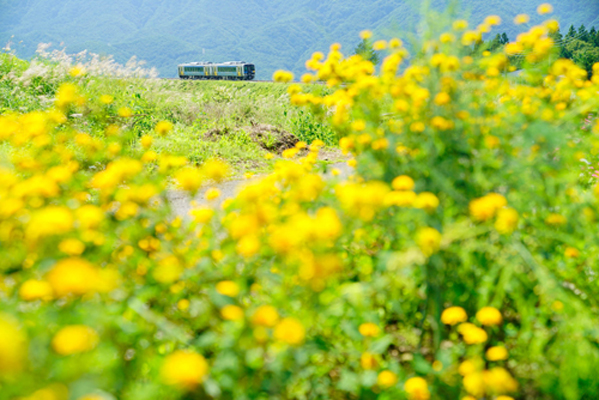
(367, 361)
(76, 71)
(442, 99)
(52, 220)
(125, 112)
(379, 45)
(555, 219)
(507, 221)
(265, 316)
(366, 34)
(282, 76)
(290, 331)
(429, 240)
(183, 304)
(386, 379)
(472, 334)
(89, 216)
(189, 179)
(215, 170)
(73, 276)
(474, 384)
(146, 141)
(460, 25)
(403, 182)
(498, 380)
(13, 350)
(521, 19)
(35, 290)
(417, 389)
(66, 95)
(163, 127)
(227, 288)
(470, 366)
(453, 315)
(212, 194)
(106, 99)
(232, 313)
(497, 353)
(369, 329)
(184, 368)
(426, 201)
(74, 339)
(486, 207)
(571, 252)
(489, 316)
(72, 247)
(168, 270)
(493, 20)
(545, 8)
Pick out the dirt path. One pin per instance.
(181, 201)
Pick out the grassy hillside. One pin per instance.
(274, 34)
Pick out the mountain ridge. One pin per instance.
(273, 34)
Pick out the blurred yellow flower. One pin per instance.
(227, 288)
(521, 19)
(290, 331)
(75, 339)
(184, 368)
(545, 8)
(472, 334)
(453, 315)
(429, 240)
(426, 201)
(212, 194)
(13, 346)
(369, 329)
(368, 361)
(417, 389)
(232, 313)
(72, 247)
(507, 221)
(497, 353)
(265, 315)
(489, 316)
(215, 170)
(106, 99)
(125, 112)
(365, 34)
(282, 76)
(386, 379)
(571, 252)
(32, 290)
(163, 127)
(403, 182)
(73, 276)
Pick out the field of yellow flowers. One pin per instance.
(459, 262)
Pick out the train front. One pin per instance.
(249, 71)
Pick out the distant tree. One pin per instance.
(504, 38)
(365, 49)
(583, 34)
(571, 33)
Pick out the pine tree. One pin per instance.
(583, 34)
(504, 38)
(571, 33)
(365, 49)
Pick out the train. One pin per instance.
(230, 70)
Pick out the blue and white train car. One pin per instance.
(230, 70)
